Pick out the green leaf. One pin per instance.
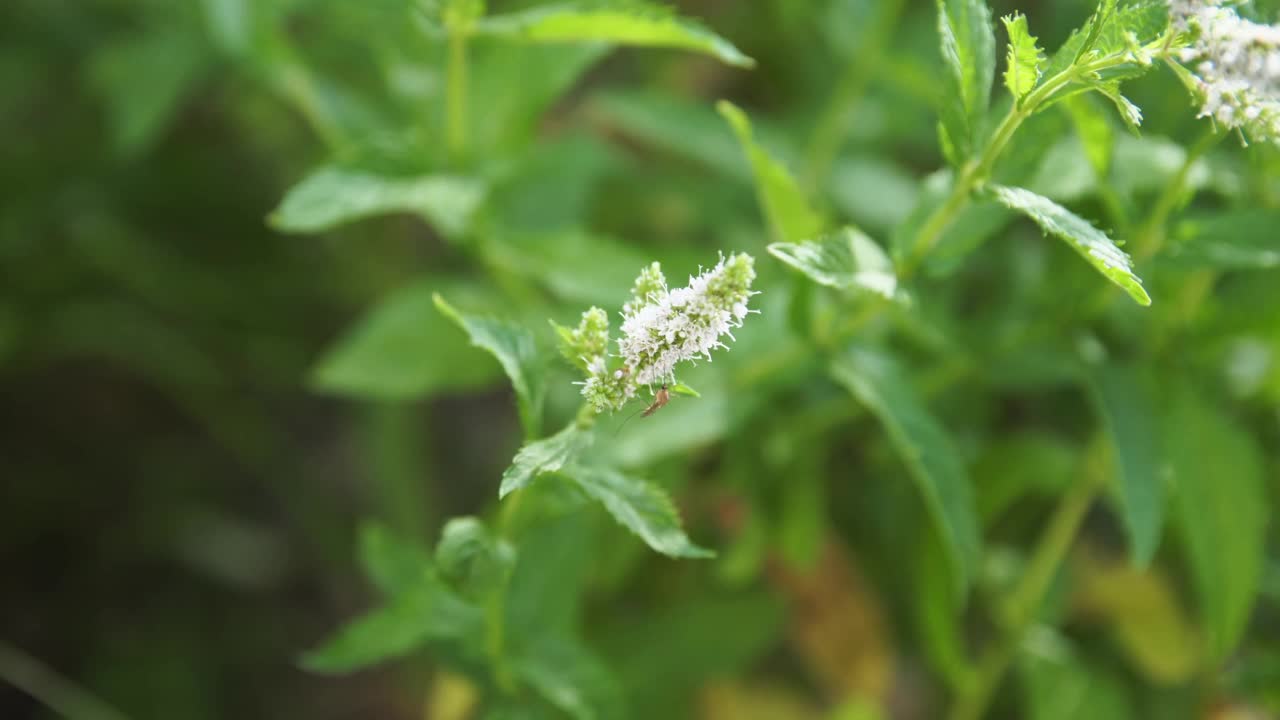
(332, 196)
(639, 506)
(1022, 71)
(403, 348)
(516, 351)
(424, 613)
(1094, 131)
(632, 23)
(392, 563)
(936, 611)
(143, 81)
(969, 53)
(577, 266)
(682, 389)
(846, 259)
(673, 647)
(1087, 240)
(1107, 30)
(544, 456)
(873, 191)
(1222, 510)
(1129, 415)
(1060, 686)
(570, 677)
(1237, 239)
(785, 207)
(557, 553)
(1130, 113)
(880, 385)
(677, 126)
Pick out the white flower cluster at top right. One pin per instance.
(1235, 64)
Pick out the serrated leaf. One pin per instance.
(333, 196)
(926, 449)
(1222, 512)
(427, 612)
(1022, 70)
(1131, 114)
(785, 206)
(516, 351)
(1238, 239)
(1106, 31)
(1087, 240)
(404, 349)
(846, 259)
(570, 677)
(639, 506)
(968, 51)
(1082, 39)
(544, 456)
(632, 23)
(392, 563)
(1129, 415)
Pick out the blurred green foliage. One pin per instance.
(275, 282)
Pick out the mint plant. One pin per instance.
(1033, 476)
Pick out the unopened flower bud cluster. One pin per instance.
(1235, 64)
(661, 327)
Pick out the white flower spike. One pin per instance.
(660, 329)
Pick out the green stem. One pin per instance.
(1151, 236)
(978, 170)
(1029, 594)
(456, 94)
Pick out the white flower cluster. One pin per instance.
(1235, 64)
(660, 328)
(665, 327)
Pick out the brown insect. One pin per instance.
(659, 401)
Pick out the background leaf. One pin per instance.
(785, 206)
(404, 348)
(426, 612)
(624, 23)
(1130, 417)
(925, 448)
(1222, 511)
(332, 196)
